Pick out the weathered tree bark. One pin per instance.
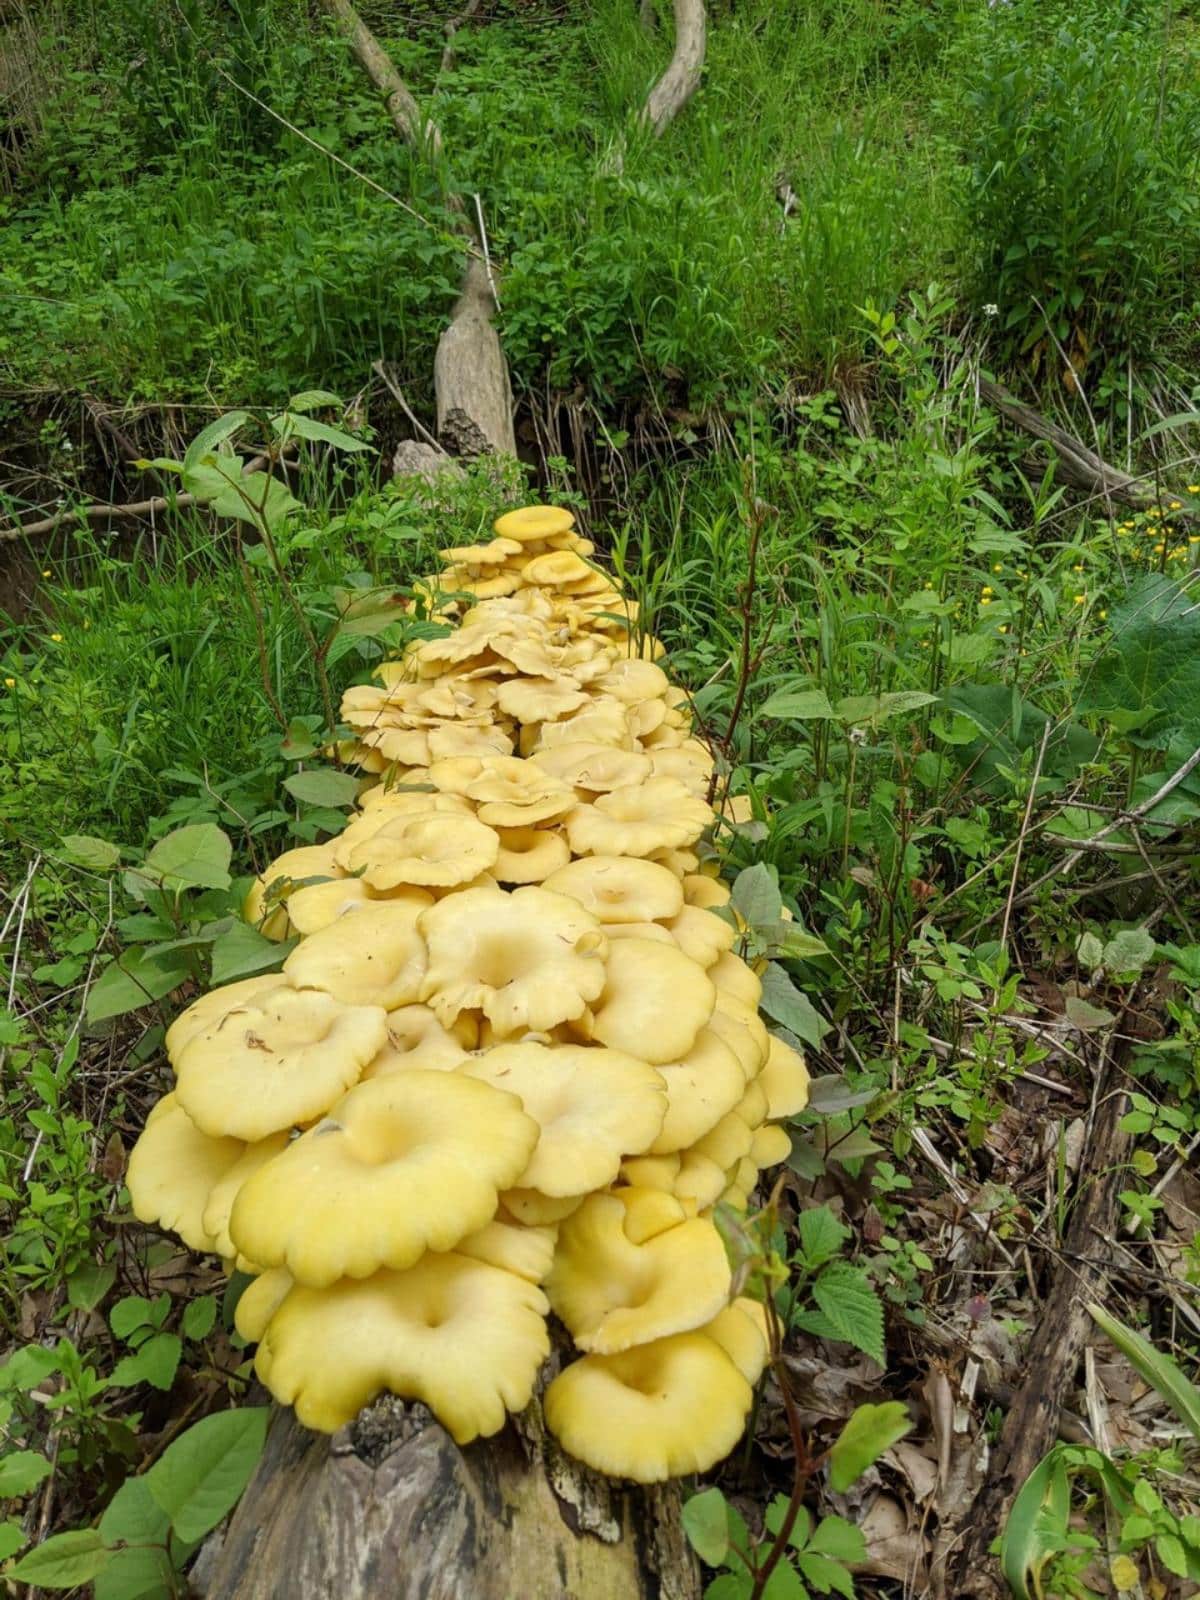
(392, 1507)
(682, 78)
(1032, 1423)
(1078, 467)
(470, 375)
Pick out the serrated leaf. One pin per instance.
(784, 1584)
(825, 1576)
(64, 1561)
(847, 1299)
(821, 1236)
(195, 857)
(199, 1477)
(199, 1316)
(870, 1431)
(12, 1537)
(130, 1313)
(322, 786)
(838, 1539)
(755, 895)
(98, 855)
(707, 1526)
(782, 1001)
(22, 1471)
(154, 1362)
(132, 980)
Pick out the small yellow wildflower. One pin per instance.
(1159, 548)
(1078, 567)
(87, 622)
(1154, 512)
(928, 585)
(1003, 628)
(1193, 488)
(1080, 598)
(1176, 505)
(998, 567)
(56, 638)
(985, 600)
(10, 683)
(1102, 615)
(46, 572)
(987, 589)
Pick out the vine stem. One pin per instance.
(804, 1466)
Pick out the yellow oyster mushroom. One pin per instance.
(593, 1106)
(658, 814)
(503, 1242)
(613, 1293)
(529, 855)
(659, 1411)
(415, 1038)
(703, 1086)
(593, 768)
(426, 850)
(403, 1164)
(173, 1168)
(279, 1059)
(373, 956)
(534, 522)
(784, 1080)
(528, 959)
(211, 1007)
(653, 1002)
(293, 866)
(464, 1338)
(620, 888)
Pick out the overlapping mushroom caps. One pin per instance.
(513, 1062)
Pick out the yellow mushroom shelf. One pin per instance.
(513, 1063)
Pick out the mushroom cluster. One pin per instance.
(512, 1064)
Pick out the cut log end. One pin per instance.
(391, 1505)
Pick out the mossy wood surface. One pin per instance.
(392, 1507)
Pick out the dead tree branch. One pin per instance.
(682, 78)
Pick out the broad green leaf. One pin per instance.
(755, 895)
(26, 1368)
(1082, 1014)
(707, 1526)
(256, 498)
(88, 1285)
(1171, 1553)
(12, 1537)
(821, 1236)
(1155, 1366)
(195, 857)
(1152, 667)
(847, 1299)
(799, 705)
(132, 1312)
(21, 1472)
(242, 951)
(200, 1477)
(322, 786)
(730, 1586)
(784, 1584)
(309, 428)
(313, 400)
(1011, 728)
(782, 1001)
(838, 1539)
(145, 1571)
(207, 440)
(870, 1431)
(872, 709)
(775, 1516)
(87, 851)
(1128, 951)
(155, 1363)
(133, 1516)
(825, 1576)
(64, 1561)
(1036, 1526)
(792, 943)
(131, 981)
(833, 1093)
(199, 1317)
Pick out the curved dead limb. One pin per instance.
(470, 375)
(682, 78)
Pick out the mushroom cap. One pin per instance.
(740, 1330)
(603, 722)
(465, 1338)
(613, 1293)
(225, 1191)
(659, 1411)
(558, 567)
(726, 1142)
(211, 1007)
(785, 1080)
(593, 1107)
(374, 956)
(429, 848)
(318, 904)
(492, 554)
(770, 1145)
(503, 1242)
(536, 1210)
(509, 792)
(260, 1300)
(596, 768)
(632, 1013)
(172, 1170)
(406, 1163)
(700, 1181)
(658, 814)
(701, 890)
(702, 1087)
(534, 522)
(282, 1058)
(620, 888)
(415, 1038)
(701, 935)
(527, 959)
(743, 1030)
(540, 699)
(731, 975)
(308, 861)
(529, 855)
(634, 681)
